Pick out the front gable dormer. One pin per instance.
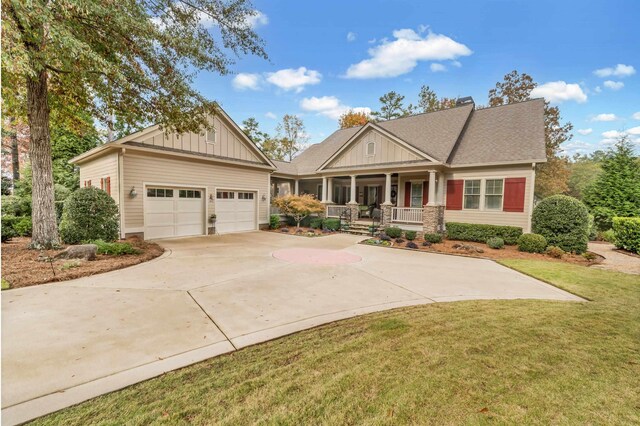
(372, 145)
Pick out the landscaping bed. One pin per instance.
(21, 267)
(303, 231)
(467, 249)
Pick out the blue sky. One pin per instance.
(327, 56)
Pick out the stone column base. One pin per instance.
(355, 210)
(433, 219)
(386, 214)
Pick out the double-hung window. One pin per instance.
(416, 194)
(472, 194)
(493, 191)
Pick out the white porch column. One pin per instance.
(432, 188)
(352, 197)
(387, 189)
(296, 190)
(440, 192)
(324, 189)
(329, 190)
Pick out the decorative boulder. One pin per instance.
(468, 248)
(82, 251)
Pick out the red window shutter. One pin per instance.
(89, 182)
(455, 189)
(514, 194)
(108, 185)
(425, 192)
(407, 194)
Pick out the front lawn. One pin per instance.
(477, 362)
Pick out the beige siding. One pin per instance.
(102, 167)
(229, 142)
(386, 151)
(494, 217)
(140, 169)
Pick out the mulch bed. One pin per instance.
(21, 268)
(508, 252)
(303, 231)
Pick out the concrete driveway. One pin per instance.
(67, 342)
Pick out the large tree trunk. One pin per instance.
(45, 230)
(15, 153)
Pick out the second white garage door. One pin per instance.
(235, 211)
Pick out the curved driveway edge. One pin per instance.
(64, 343)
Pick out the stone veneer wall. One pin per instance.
(433, 219)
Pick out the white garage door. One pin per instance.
(173, 212)
(235, 211)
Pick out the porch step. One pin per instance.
(360, 229)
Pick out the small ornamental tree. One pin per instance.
(89, 214)
(298, 206)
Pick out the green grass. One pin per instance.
(5, 284)
(475, 362)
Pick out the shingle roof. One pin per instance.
(456, 136)
(505, 133)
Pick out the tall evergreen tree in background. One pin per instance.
(617, 188)
(552, 176)
(134, 60)
(392, 106)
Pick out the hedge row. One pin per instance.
(481, 233)
(627, 233)
(331, 224)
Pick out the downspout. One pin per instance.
(121, 190)
(533, 192)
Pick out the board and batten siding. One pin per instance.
(140, 169)
(494, 217)
(228, 142)
(386, 151)
(102, 167)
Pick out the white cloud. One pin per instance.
(634, 131)
(435, 67)
(574, 147)
(271, 115)
(559, 91)
(329, 106)
(605, 117)
(585, 132)
(244, 81)
(636, 115)
(598, 89)
(619, 70)
(294, 79)
(456, 64)
(613, 85)
(351, 36)
(258, 19)
(400, 56)
(612, 134)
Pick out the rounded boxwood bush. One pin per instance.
(433, 238)
(410, 235)
(89, 214)
(393, 231)
(563, 221)
(532, 243)
(495, 243)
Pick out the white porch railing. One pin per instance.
(336, 211)
(406, 214)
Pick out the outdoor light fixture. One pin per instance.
(133, 193)
(264, 197)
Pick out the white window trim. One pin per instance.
(366, 149)
(483, 189)
(206, 136)
(464, 194)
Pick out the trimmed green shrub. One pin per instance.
(627, 233)
(603, 218)
(481, 233)
(115, 249)
(608, 236)
(532, 243)
(8, 232)
(89, 214)
(316, 223)
(23, 226)
(393, 231)
(556, 252)
(433, 238)
(410, 235)
(331, 224)
(306, 222)
(495, 243)
(274, 221)
(563, 221)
